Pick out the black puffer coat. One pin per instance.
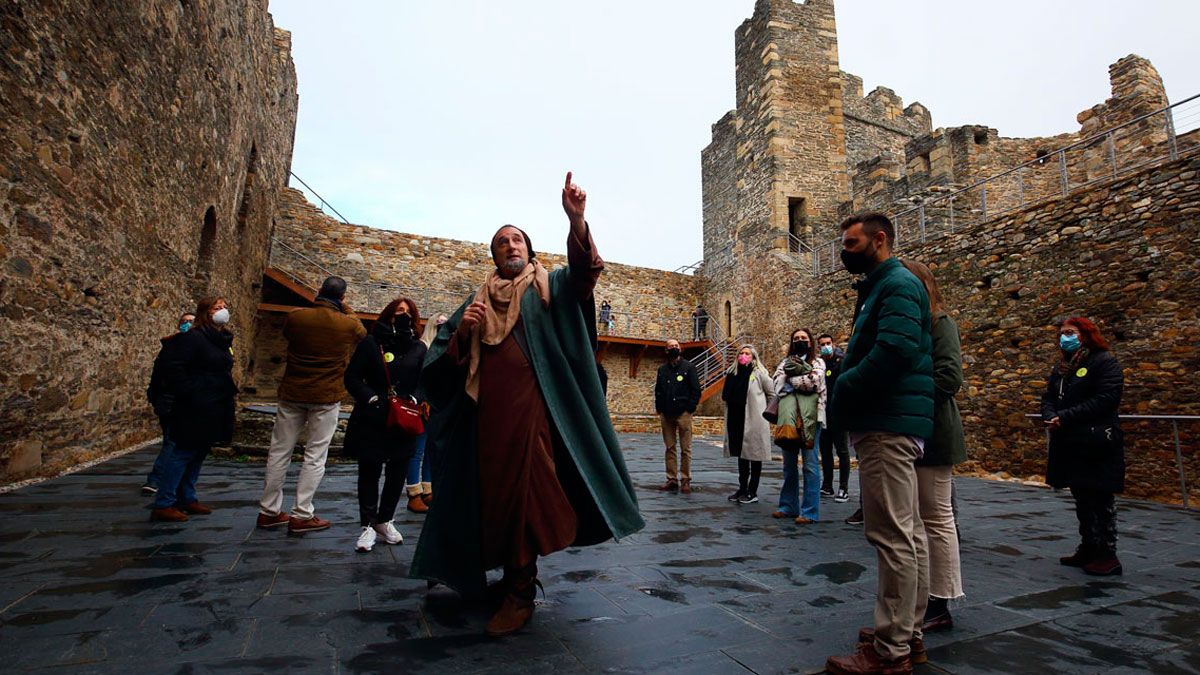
(367, 434)
(199, 374)
(1088, 450)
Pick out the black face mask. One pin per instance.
(672, 353)
(403, 327)
(799, 348)
(858, 262)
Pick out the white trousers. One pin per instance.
(320, 419)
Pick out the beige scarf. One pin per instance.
(502, 301)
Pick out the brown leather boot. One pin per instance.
(417, 505)
(918, 653)
(168, 515)
(867, 660)
(517, 607)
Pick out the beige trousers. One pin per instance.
(892, 522)
(945, 573)
(678, 429)
(320, 419)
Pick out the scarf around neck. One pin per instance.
(501, 299)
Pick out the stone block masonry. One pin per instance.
(142, 145)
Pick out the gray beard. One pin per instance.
(514, 267)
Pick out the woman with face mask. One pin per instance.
(799, 382)
(1087, 452)
(391, 355)
(747, 387)
(199, 374)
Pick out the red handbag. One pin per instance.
(404, 415)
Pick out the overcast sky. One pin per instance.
(451, 119)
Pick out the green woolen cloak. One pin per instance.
(561, 340)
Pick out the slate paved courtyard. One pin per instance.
(90, 585)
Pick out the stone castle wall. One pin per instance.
(141, 149)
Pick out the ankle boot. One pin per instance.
(937, 616)
(517, 607)
(1083, 555)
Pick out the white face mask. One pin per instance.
(221, 317)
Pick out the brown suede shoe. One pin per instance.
(670, 486)
(302, 525)
(801, 520)
(918, 654)
(196, 509)
(168, 515)
(266, 522)
(417, 505)
(867, 660)
(781, 514)
(1104, 566)
(517, 606)
(685, 487)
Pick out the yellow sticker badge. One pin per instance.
(829, 373)
(1082, 372)
(679, 378)
(389, 357)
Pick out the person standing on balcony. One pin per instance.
(832, 355)
(1087, 451)
(676, 396)
(388, 361)
(525, 457)
(747, 388)
(320, 340)
(605, 319)
(699, 323)
(884, 399)
(799, 382)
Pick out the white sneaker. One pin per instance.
(389, 533)
(366, 540)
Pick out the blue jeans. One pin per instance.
(177, 486)
(789, 495)
(160, 462)
(419, 470)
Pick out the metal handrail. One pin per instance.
(796, 245)
(318, 196)
(1175, 420)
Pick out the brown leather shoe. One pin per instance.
(417, 505)
(670, 486)
(1082, 556)
(781, 514)
(302, 525)
(168, 515)
(685, 487)
(801, 520)
(196, 509)
(266, 522)
(867, 660)
(916, 646)
(517, 607)
(1104, 566)
(937, 623)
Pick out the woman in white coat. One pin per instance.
(748, 385)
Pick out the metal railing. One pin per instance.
(321, 199)
(1174, 420)
(692, 269)
(1167, 133)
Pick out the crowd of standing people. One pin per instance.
(508, 388)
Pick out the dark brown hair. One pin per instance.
(812, 343)
(872, 222)
(204, 313)
(389, 312)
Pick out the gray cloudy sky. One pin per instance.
(451, 119)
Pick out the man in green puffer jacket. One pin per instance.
(884, 399)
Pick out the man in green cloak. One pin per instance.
(525, 457)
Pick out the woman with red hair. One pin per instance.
(1087, 452)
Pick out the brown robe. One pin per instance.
(525, 511)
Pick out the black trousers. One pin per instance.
(374, 508)
(1097, 514)
(829, 441)
(748, 474)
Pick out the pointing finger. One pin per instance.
(568, 184)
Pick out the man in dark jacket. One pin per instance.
(320, 339)
(676, 395)
(159, 395)
(832, 356)
(884, 400)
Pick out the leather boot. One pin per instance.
(517, 607)
(417, 505)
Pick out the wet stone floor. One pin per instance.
(90, 585)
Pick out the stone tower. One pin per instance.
(777, 164)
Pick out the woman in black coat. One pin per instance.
(202, 391)
(393, 342)
(1087, 452)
